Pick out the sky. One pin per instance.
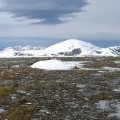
(90, 19)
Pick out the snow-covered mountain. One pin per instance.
(19, 51)
(71, 47)
(24, 48)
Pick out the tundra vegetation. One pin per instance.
(91, 93)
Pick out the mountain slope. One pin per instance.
(110, 51)
(19, 51)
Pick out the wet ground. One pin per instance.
(88, 93)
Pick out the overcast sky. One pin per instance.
(60, 18)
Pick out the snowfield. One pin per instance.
(54, 65)
(69, 48)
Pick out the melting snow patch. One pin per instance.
(81, 86)
(117, 62)
(21, 91)
(117, 114)
(111, 69)
(116, 90)
(96, 74)
(15, 66)
(54, 65)
(89, 69)
(101, 71)
(103, 105)
(1, 110)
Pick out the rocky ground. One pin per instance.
(91, 93)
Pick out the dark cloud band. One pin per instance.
(47, 11)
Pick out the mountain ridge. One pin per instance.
(70, 47)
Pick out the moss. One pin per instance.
(15, 73)
(26, 87)
(20, 113)
(81, 99)
(112, 75)
(104, 96)
(6, 91)
(101, 96)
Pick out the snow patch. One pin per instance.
(116, 90)
(111, 69)
(1, 110)
(117, 62)
(117, 114)
(80, 86)
(103, 105)
(15, 66)
(54, 65)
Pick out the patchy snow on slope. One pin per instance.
(21, 52)
(103, 105)
(33, 53)
(111, 69)
(109, 106)
(1, 110)
(80, 85)
(117, 62)
(110, 51)
(116, 90)
(117, 109)
(54, 65)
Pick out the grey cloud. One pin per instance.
(47, 11)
